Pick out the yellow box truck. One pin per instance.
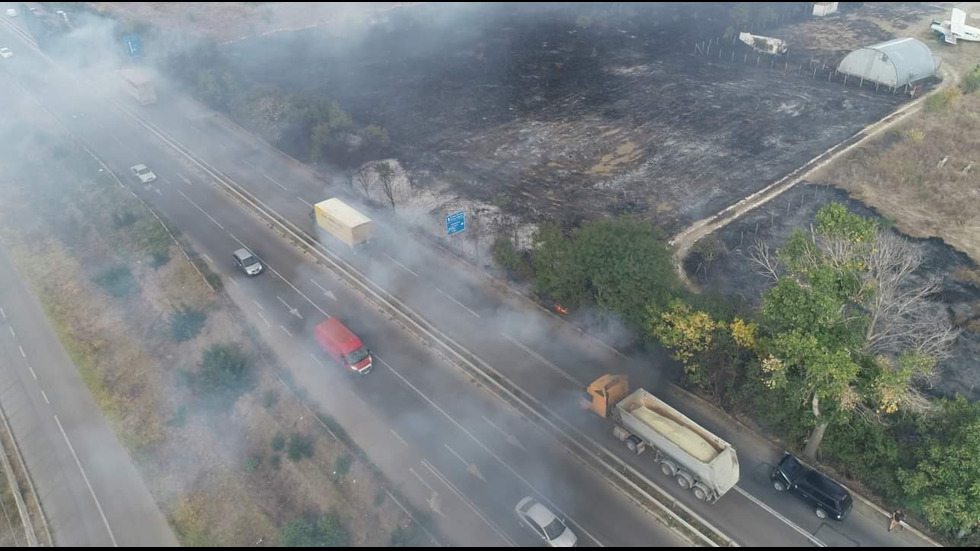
(344, 222)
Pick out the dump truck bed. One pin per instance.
(709, 457)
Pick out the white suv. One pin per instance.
(143, 173)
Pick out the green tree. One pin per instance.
(945, 482)
(225, 373)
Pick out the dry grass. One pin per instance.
(192, 460)
(924, 175)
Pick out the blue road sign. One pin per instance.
(134, 47)
(455, 222)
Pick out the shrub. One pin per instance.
(507, 256)
(326, 531)
(278, 442)
(342, 465)
(300, 446)
(942, 100)
(226, 372)
(269, 398)
(186, 323)
(123, 218)
(251, 463)
(118, 281)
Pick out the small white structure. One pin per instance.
(764, 44)
(899, 62)
(821, 9)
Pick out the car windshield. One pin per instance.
(357, 355)
(249, 260)
(142, 171)
(554, 529)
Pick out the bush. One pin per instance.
(186, 323)
(251, 463)
(148, 234)
(118, 281)
(278, 442)
(300, 446)
(123, 218)
(326, 531)
(971, 82)
(507, 256)
(406, 536)
(342, 465)
(942, 100)
(269, 398)
(275, 461)
(226, 372)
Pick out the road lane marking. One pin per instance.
(541, 359)
(45, 396)
(452, 451)
(468, 503)
(12, 334)
(400, 439)
(31, 369)
(285, 330)
(3, 314)
(510, 438)
(185, 179)
(208, 258)
(317, 360)
(406, 268)
(486, 449)
(87, 483)
(231, 279)
(785, 520)
(248, 164)
(457, 302)
(422, 480)
(22, 353)
(263, 319)
(304, 201)
(204, 212)
(257, 304)
(274, 181)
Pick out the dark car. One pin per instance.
(828, 498)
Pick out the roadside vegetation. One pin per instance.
(188, 389)
(834, 362)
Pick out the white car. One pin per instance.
(5, 53)
(544, 523)
(11, 12)
(143, 173)
(247, 262)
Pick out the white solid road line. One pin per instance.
(422, 480)
(468, 503)
(208, 258)
(263, 319)
(87, 483)
(457, 302)
(404, 267)
(285, 330)
(274, 181)
(488, 450)
(257, 304)
(304, 201)
(248, 164)
(788, 522)
(398, 436)
(540, 358)
(317, 360)
(204, 212)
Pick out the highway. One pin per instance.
(473, 449)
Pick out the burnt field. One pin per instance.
(723, 265)
(561, 115)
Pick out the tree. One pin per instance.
(386, 177)
(364, 180)
(326, 531)
(945, 482)
(225, 373)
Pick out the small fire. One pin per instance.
(560, 309)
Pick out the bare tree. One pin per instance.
(386, 176)
(363, 178)
(349, 176)
(902, 316)
(765, 259)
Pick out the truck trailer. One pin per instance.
(687, 452)
(344, 222)
(139, 84)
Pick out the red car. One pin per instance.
(344, 346)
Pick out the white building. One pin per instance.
(821, 9)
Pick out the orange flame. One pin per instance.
(560, 309)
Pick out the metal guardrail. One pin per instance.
(627, 479)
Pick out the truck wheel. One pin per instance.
(634, 445)
(821, 514)
(701, 493)
(683, 482)
(667, 468)
(779, 486)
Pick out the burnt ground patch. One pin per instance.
(731, 272)
(551, 116)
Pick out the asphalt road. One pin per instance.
(476, 456)
(91, 493)
(431, 407)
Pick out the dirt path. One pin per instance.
(683, 241)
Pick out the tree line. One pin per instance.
(833, 361)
